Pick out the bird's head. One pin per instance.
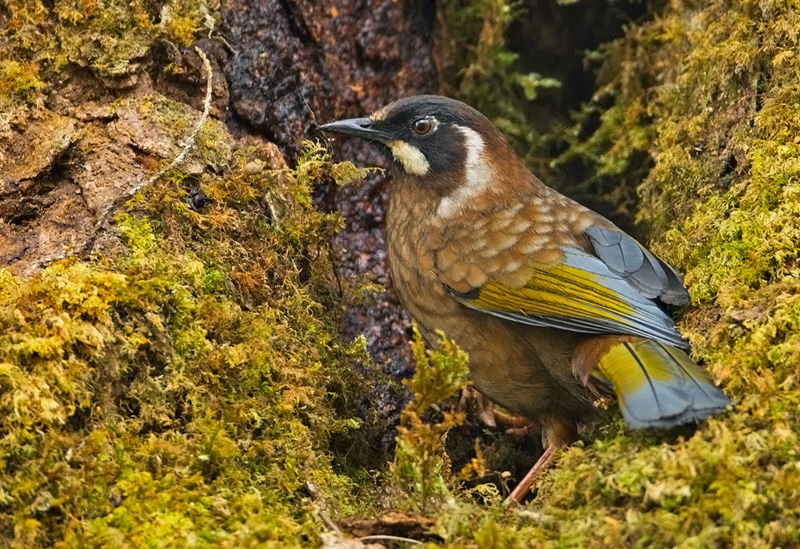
(444, 141)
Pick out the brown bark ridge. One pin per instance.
(299, 63)
(69, 161)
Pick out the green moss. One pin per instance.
(186, 388)
(109, 36)
(19, 82)
(421, 467)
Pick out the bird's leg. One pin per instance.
(482, 410)
(530, 477)
(514, 425)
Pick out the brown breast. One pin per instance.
(506, 360)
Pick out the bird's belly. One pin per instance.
(517, 367)
(523, 368)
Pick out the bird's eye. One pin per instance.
(422, 126)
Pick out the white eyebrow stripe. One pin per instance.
(478, 175)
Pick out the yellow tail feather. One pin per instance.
(658, 385)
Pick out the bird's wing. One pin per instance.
(606, 287)
(638, 267)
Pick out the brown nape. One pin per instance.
(509, 167)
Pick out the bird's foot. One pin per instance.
(530, 477)
(484, 412)
(516, 426)
(477, 407)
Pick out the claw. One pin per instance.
(477, 407)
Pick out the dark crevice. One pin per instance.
(553, 39)
(421, 14)
(296, 21)
(730, 166)
(5, 15)
(22, 212)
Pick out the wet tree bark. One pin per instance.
(301, 62)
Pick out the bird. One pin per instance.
(554, 305)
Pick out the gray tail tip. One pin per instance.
(693, 415)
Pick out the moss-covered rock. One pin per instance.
(181, 384)
(187, 387)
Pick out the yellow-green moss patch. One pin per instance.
(188, 388)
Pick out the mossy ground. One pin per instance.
(183, 390)
(184, 386)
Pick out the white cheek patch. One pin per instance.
(410, 157)
(477, 176)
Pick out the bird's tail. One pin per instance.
(658, 385)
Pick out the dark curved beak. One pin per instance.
(356, 127)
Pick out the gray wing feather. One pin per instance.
(638, 267)
(675, 293)
(646, 319)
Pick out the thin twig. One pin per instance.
(187, 146)
(378, 537)
(193, 137)
(320, 506)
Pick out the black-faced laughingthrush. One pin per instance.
(553, 303)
